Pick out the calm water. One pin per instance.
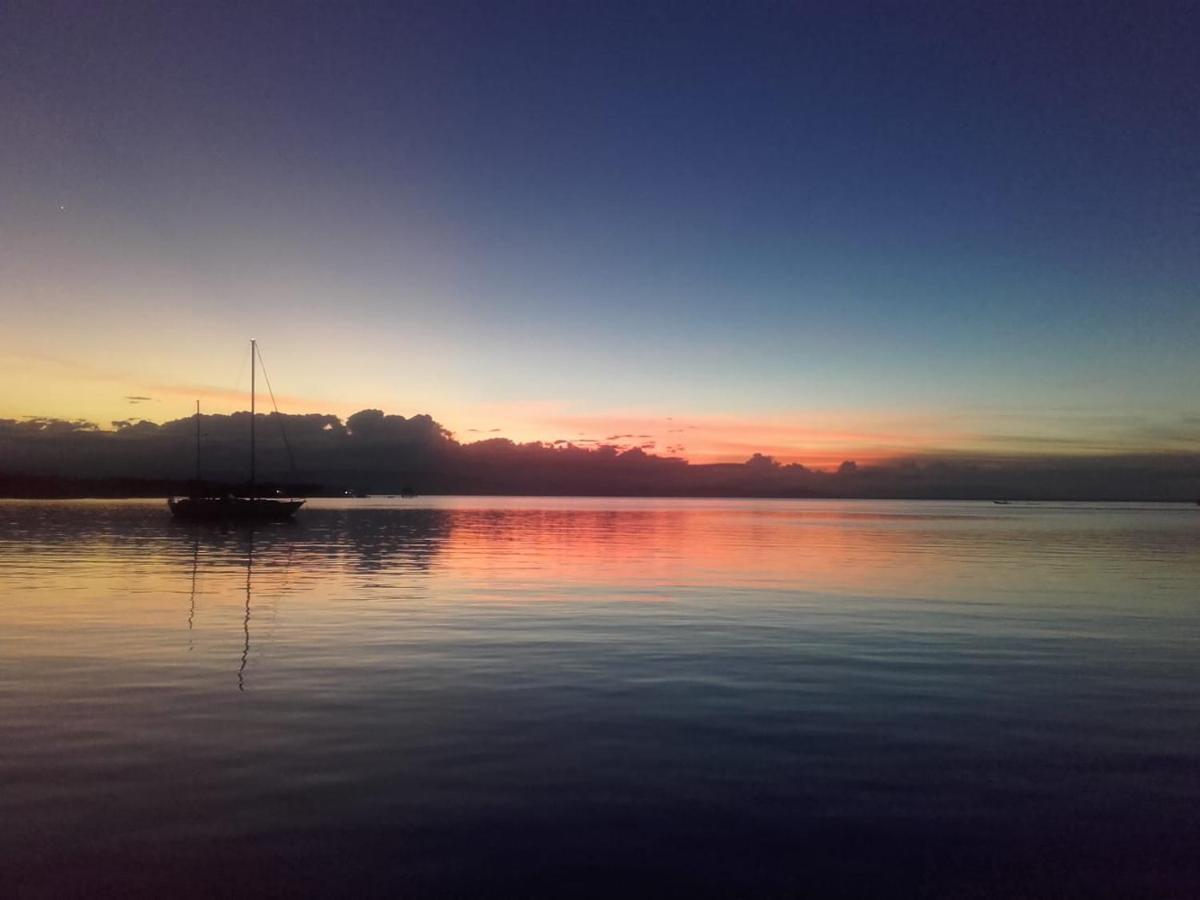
(568, 697)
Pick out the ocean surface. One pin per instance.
(585, 697)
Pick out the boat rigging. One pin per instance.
(247, 506)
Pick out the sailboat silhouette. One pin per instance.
(250, 505)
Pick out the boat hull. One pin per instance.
(256, 509)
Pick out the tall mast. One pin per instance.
(197, 445)
(253, 350)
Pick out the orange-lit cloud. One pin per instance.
(40, 384)
(815, 439)
(825, 438)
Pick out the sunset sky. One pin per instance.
(822, 231)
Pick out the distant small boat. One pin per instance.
(229, 507)
(1001, 502)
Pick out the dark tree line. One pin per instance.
(378, 453)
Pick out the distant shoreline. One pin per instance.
(373, 453)
(441, 484)
(95, 496)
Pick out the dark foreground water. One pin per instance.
(586, 697)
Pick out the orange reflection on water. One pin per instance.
(684, 547)
(78, 570)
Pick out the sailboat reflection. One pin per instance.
(241, 676)
(281, 558)
(247, 598)
(192, 600)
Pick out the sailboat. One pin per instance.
(249, 506)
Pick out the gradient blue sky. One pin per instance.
(812, 229)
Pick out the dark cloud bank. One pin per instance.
(379, 453)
